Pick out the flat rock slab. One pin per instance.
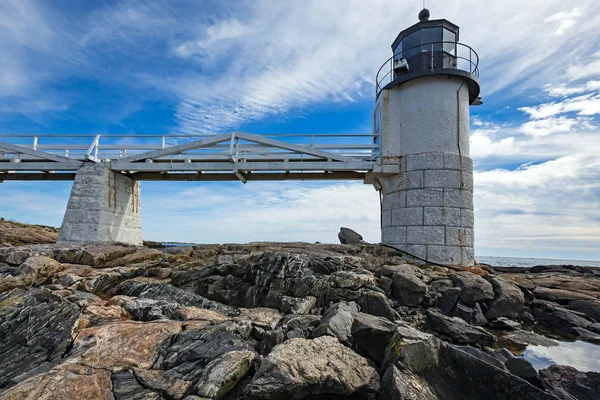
(65, 382)
(123, 345)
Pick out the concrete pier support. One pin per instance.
(427, 209)
(104, 206)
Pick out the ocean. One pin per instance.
(532, 262)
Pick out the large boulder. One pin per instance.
(474, 288)
(348, 236)
(299, 368)
(567, 383)
(508, 301)
(457, 330)
(408, 289)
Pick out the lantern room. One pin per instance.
(427, 44)
(430, 47)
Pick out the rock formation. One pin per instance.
(280, 321)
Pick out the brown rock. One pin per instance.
(141, 255)
(65, 382)
(99, 255)
(123, 345)
(559, 296)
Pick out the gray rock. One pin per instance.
(270, 340)
(318, 367)
(557, 319)
(150, 310)
(491, 359)
(591, 308)
(408, 289)
(375, 303)
(35, 333)
(508, 301)
(221, 375)
(566, 383)
(586, 335)
(191, 350)
(471, 315)
(559, 296)
(126, 387)
(169, 293)
(521, 339)
(412, 350)
(595, 327)
(348, 236)
(523, 369)
(448, 300)
(428, 367)
(385, 284)
(297, 305)
(337, 321)
(462, 376)
(474, 288)
(457, 330)
(505, 324)
(440, 285)
(306, 324)
(370, 335)
(352, 279)
(403, 385)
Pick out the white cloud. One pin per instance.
(563, 89)
(553, 125)
(565, 20)
(588, 104)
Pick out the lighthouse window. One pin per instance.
(398, 51)
(449, 36)
(431, 39)
(411, 44)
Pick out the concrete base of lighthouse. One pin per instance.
(427, 209)
(104, 206)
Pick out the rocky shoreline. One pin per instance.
(283, 321)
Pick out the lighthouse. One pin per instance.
(421, 123)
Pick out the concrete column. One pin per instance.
(427, 208)
(104, 207)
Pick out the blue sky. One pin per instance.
(187, 66)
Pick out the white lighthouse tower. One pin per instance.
(421, 119)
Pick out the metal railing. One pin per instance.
(113, 147)
(429, 57)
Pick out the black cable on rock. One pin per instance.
(419, 258)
